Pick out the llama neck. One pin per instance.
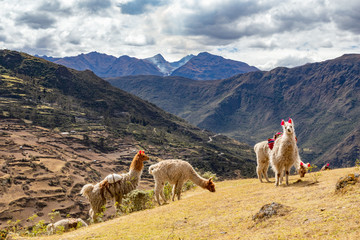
(289, 137)
(197, 179)
(136, 164)
(134, 174)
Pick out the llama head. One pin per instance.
(210, 185)
(288, 127)
(137, 163)
(303, 169)
(142, 157)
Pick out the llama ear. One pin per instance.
(210, 179)
(290, 120)
(282, 122)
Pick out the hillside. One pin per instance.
(61, 128)
(311, 211)
(322, 98)
(204, 66)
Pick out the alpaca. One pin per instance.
(176, 172)
(114, 186)
(65, 225)
(285, 152)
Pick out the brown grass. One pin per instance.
(316, 212)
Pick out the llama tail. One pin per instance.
(85, 191)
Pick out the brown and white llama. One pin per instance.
(285, 152)
(176, 172)
(114, 186)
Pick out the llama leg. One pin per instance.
(162, 195)
(178, 189)
(281, 176)
(174, 191)
(258, 171)
(92, 215)
(287, 176)
(277, 176)
(118, 201)
(265, 172)
(158, 190)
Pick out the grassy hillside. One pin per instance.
(313, 211)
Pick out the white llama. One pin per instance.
(114, 186)
(176, 172)
(262, 152)
(285, 152)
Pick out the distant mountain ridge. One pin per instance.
(323, 99)
(204, 66)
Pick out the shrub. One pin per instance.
(137, 200)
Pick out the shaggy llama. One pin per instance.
(176, 172)
(65, 225)
(285, 152)
(114, 186)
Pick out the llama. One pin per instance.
(114, 186)
(262, 151)
(65, 225)
(176, 172)
(285, 152)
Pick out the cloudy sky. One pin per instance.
(263, 33)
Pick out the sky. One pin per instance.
(263, 33)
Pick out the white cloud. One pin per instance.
(263, 33)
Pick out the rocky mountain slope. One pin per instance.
(322, 98)
(204, 66)
(61, 128)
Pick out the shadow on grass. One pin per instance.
(301, 183)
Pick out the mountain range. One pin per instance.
(322, 98)
(204, 66)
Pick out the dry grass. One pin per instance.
(316, 212)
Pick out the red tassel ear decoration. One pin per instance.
(140, 152)
(328, 164)
(282, 122)
(290, 121)
(143, 152)
(309, 165)
(301, 164)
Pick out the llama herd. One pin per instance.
(281, 153)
